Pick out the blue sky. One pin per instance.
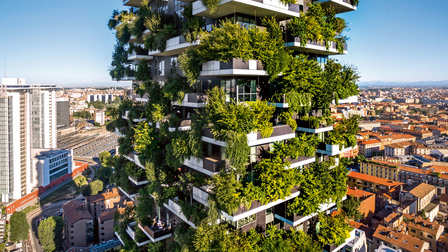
(68, 42)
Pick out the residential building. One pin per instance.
(101, 97)
(240, 82)
(99, 203)
(106, 225)
(367, 202)
(413, 175)
(369, 148)
(100, 116)
(371, 183)
(380, 169)
(405, 148)
(51, 165)
(423, 229)
(27, 120)
(396, 240)
(78, 225)
(424, 196)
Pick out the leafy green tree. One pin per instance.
(104, 158)
(19, 227)
(104, 174)
(96, 187)
(49, 232)
(82, 114)
(333, 230)
(350, 207)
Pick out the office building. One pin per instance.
(27, 120)
(63, 112)
(51, 165)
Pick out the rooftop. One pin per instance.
(374, 179)
(354, 192)
(398, 239)
(75, 210)
(104, 196)
(422, 224)
(419, 190)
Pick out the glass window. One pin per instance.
(162, 68)
(247, 90)
(247, 220)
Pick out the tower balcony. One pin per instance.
(174, 46)
(259, 8)
(132, 3)
(176, 209)
(201, 195)
(208, 165)
(131, 231)
(300, 161)
(281, 132)
(332, 149)
(134, 157)
(192, 100)
(305, 126)
(315, 47)
(156, 234)
(339, 6)
(138, 181)
(139, 54)
(295, 220)
(233, 68)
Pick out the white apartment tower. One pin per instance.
(27, 120)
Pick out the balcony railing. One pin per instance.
(339, 6)
(281, 132)
(156, 234)
(175, 208)
(193, 100)
(233, 67)
(201, 195)
(266, 7)
(130, 229)
(208, 165)
(315, 46)
(332, 149)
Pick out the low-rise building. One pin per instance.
(413, 175)
(106, 225)
(369, 148)
(380, 169)
(371, 183)
(51, 165)
(424, 195)
(367, 202)
(104, 201)
(422, 229)
(396, 240)
(78, 225)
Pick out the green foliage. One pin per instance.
(143, 72)
(96, 187)
(176, 87)
(183, 236)
(333, 230)
(49, 232)
(191, 25)
(230, 40)
(120, 65)
(237, 151)
(302, 145)
(350, 206)
(286, 118)
(344, 133)
(142, 136)
(212, 5)
(228, 192)
(315, 122)
(19, 227)
(97, 104)
(273, 180)
(157, 41)
(318, 24)
(340, 81)
(104, 158)
(104, 174)
(319, 184)
(82, 114)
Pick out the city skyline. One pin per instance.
(64, 52)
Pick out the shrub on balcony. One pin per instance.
(344, 133)
(315, 122)
(191, 25)
(120, 65)
(304, 145)
(317, 24)
(333, 230)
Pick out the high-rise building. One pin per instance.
(27, 120)
(236, 123)
(63, 112)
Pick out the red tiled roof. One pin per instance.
(75, 210)
(373, 179)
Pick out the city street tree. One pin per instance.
(104, 158)
(49, 232)
(96, 187)
(19, 227)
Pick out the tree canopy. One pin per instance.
(19, 227)
(49, 232)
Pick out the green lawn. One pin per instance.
(29, 209)
(65, 192)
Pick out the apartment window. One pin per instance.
(247, 220)
(173, 65)
(162, 68)
(430, 237)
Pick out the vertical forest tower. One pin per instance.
(227, 140)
